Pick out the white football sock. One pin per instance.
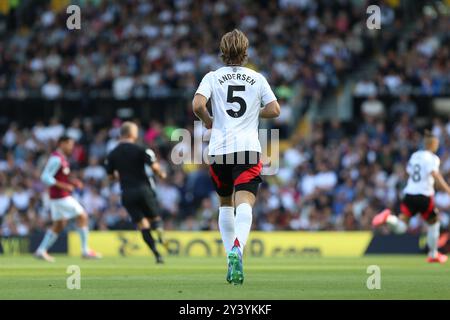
(84, 233)
(49, 239)
(243, 223)
(397, 225)
(226, 227)
(432, 239)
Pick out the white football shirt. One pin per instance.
(420, 166)
(237, 94)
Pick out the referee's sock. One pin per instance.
(158, 227)
(147, 236)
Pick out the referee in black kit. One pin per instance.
(127, 162)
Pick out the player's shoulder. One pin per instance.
(55, 157)
(420, 154)
(436, 158)
(229, 69)
(425, 156)
(122, 149)
(416, 153)
(211, 74)
(252, 72)
(115, 150)
(55, 154)
(430, 155)
(416, 157)
(138, 148)
(143, 149)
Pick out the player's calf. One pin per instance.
(144, 227)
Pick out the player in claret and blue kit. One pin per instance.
(423, 171)
(63, 206)
(237, 95)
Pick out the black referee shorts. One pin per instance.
(140, 203)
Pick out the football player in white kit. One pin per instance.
(423, 171)
(237, 95)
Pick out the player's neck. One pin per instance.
(60, 152)
(127, 140)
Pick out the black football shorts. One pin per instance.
(236, 171)
(140, 203)
(413, 204)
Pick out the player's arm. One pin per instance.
(50, 170)
(150, 159)
(112, 174)
(441, 181)
(271, 107)
(271, 110)
(156, 167)
(77, 183)
(201, 97)
(201, 111)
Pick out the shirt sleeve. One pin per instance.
(149, 156)
(205, 86)
(51, 168)
(434, 165)
(267, 95)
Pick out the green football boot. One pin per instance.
(229, 272)
(235, 261)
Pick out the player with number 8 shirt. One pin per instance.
(423, 171)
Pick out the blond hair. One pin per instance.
(233, 47)
(429, 139)
(127, 128)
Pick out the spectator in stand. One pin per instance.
(372, 107)
(403, 106)
(365, 88)
(140, 49)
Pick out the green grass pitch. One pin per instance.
(402, 277)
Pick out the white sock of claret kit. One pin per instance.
(226, 227)
(397, 225)
(433, 238)
(49, 239)
(243, 223)
(84, 234)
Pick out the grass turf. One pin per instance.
(402, 277)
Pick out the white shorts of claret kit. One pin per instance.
(65, 208)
